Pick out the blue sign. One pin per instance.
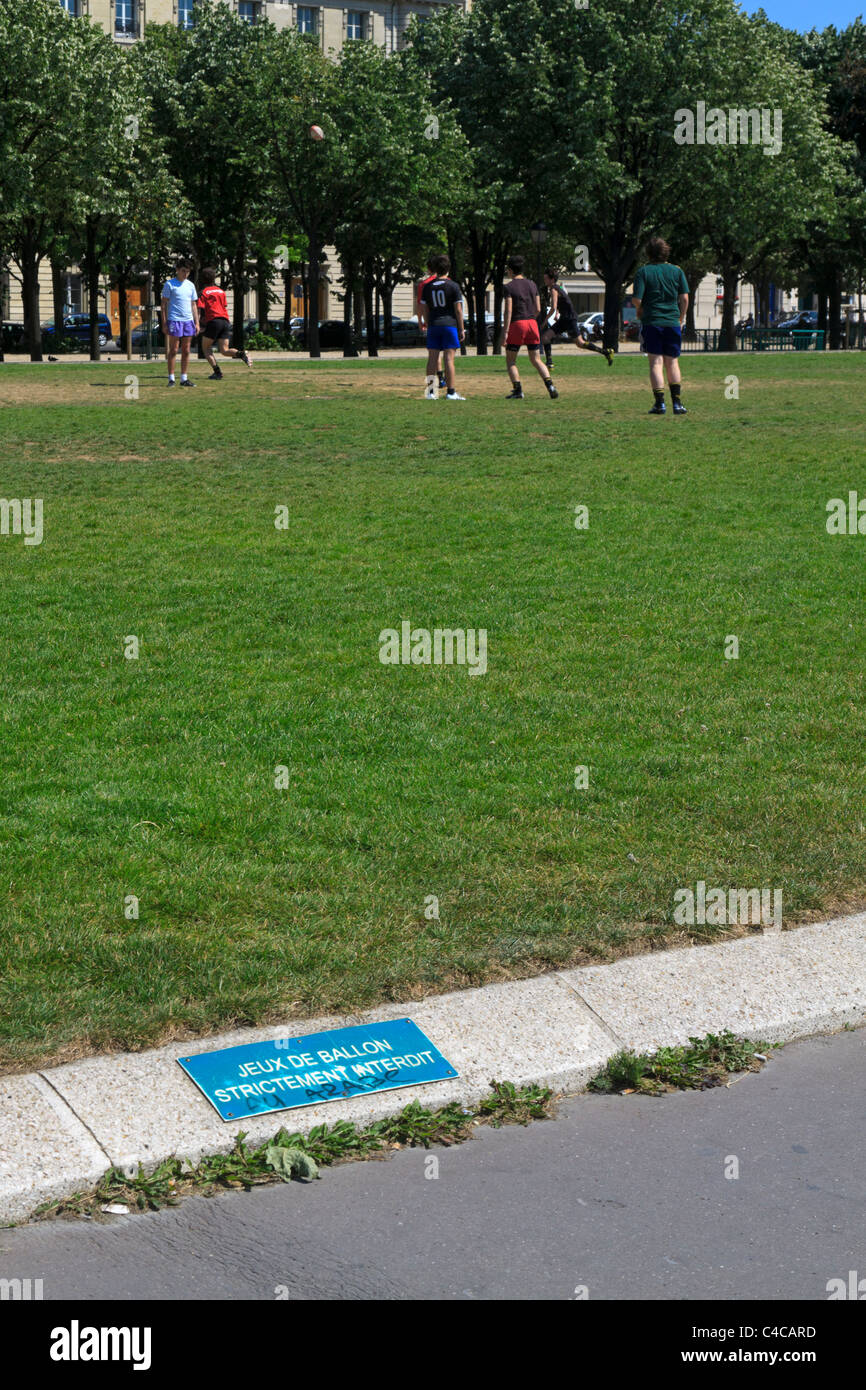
(290, 1072)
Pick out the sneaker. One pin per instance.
(608, 352)
(659, 409)
(454, 396)
(171, 382)
(246, 359)
(515, 395)
(215, 376)
(187, 382)
(442, 382)
(679, 408)
(552, 391)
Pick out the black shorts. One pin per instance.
(217, 329)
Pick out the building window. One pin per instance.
(70, 6)
(185, 18)
(248, 11)
(308, 20)
(357, 24)
(125, 18)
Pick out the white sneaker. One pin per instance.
(431, 390)
(454, 396)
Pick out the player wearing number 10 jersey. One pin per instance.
(443, 311)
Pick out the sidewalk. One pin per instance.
(62, 1128)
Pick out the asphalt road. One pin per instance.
(625, 1197)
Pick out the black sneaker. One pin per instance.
(171, 382)
(608, 352)
(551, 390)
(679, 408)
(658, 409)
(215, 376)
(187, 382)
(515, 395)
(442, 381)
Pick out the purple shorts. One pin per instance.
(181, 328)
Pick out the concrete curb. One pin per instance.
(61, 1129)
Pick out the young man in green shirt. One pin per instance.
(661, 298)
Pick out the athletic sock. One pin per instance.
(183, 376)
(659, 397)
(171, 376)
(675, 392)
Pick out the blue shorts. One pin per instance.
(442, 337)
(662, 339)
(181, 328)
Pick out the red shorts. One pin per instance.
(523, 333)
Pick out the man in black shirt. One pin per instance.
(522, 311)
(443, 314)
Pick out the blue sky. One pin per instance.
(805, 14)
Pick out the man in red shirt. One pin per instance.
(215, 315)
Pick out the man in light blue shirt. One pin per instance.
(179, 319)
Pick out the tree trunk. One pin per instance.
(287, 300)
(498, 297)
(349, 349)
(313, 323)
(834, 308)
(239, 288)
(369, 317)
(388, 311)
(263, 272)
(122, 307)
(58, 294)
(91, 267)
(727, 338)
(479, 285)
(29, 267)
(612, 307)
(822, 308)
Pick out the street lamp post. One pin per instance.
(538, 232)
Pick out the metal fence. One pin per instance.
(758, 340)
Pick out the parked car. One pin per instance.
(78, 326)
(330, 334)
(13, 335)
(808, 318)
(271, 326)
(139, 335)
(404, 332)
(592, 324)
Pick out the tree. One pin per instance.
(227, 181)
(47, 90)
(518, 104)
(756, 182)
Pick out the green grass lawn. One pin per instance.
(259, 647)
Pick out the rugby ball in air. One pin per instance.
(316, 132)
